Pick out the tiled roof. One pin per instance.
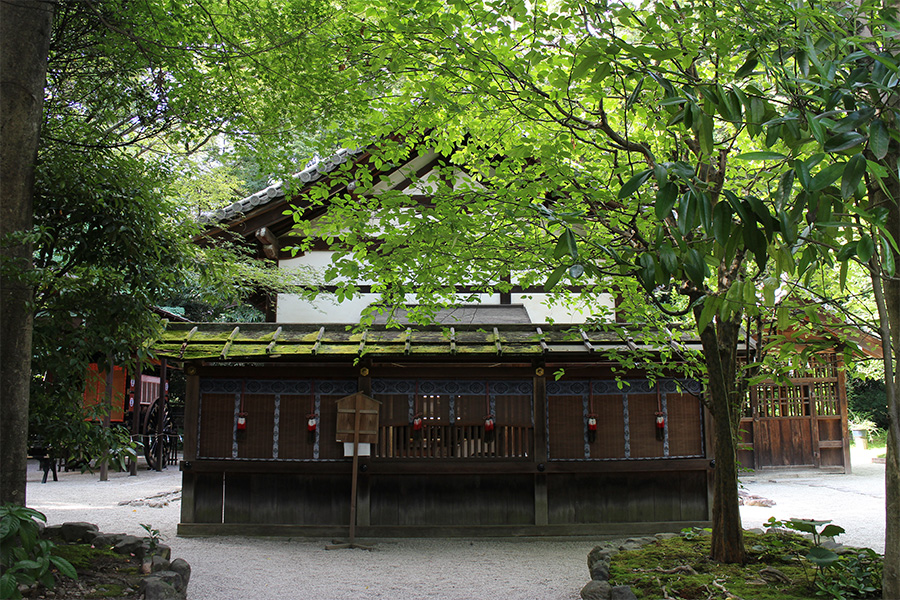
(255, 341)
(310, 174)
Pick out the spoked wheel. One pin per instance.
(155, 436)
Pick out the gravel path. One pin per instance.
(232, 568)
(855, 501)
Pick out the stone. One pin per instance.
(129, 545)
(622, 592)
(164, 551)
(142, 550)
(636, 543)
(156, 589)
(173, 578)
(158, 563)
(666, 536)
(75, 532)
(596, 590)
(600, 570)
(756, 530)
(181, 566)
(52, 532)
(600, 553)
(89, 536)
(107, 540)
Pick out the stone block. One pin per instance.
(181, 566)
(596, 590)
(173, 578)
(164, 551)
(75, 531)
(107, 540)
(129, 545)
(158, 563)
(622, 592)
(156, 589)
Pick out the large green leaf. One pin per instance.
(633, 184)
(554, 277)
(853, 173)
(64, 566)
(822, 557)
(695, 267)
(748, 66)
(665, 200)
(722, 222)
(879, 139)
(844, 141)
(827, 176)
(890, 268)
(865, 248)
(761, 155)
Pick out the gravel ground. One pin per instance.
(855, 501)
(232, 568)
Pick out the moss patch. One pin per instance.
(681, 568)
(101, 574)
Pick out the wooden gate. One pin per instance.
(798, 423)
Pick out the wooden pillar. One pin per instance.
(136, 413)
(809, 390)
(364, 483)
(161, 413)
(191, 422)
(843, 411)
(539, 394)
(108, 394)
(708, 429)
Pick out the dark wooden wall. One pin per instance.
(536, 474)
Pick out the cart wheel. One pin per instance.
(154, 437)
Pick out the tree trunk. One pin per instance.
(720, 353)
(24, 46)
(891, 327)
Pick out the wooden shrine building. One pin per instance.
(475, 436)
(491, 423)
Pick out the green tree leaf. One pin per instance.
(853, 173)
(844, 141)
(761, 155)
(633, 184)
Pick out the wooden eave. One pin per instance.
(263, 341)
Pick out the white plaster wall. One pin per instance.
(326, 309)
(542, 310)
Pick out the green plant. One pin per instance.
(25, 559)
(859, 420)
(694, 533)
(153, 537)
(855, 575)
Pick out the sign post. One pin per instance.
(357, 428)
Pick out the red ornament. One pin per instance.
(417, 423)
(489, 423)
(242, 421)
(660, 426)
(592, 423)
(311, 423)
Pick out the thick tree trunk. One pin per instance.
(24, 46)
(891, 575)
(720, 353)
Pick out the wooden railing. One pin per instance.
(454, 441)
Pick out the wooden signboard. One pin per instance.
(348, 408)
(357, 423)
